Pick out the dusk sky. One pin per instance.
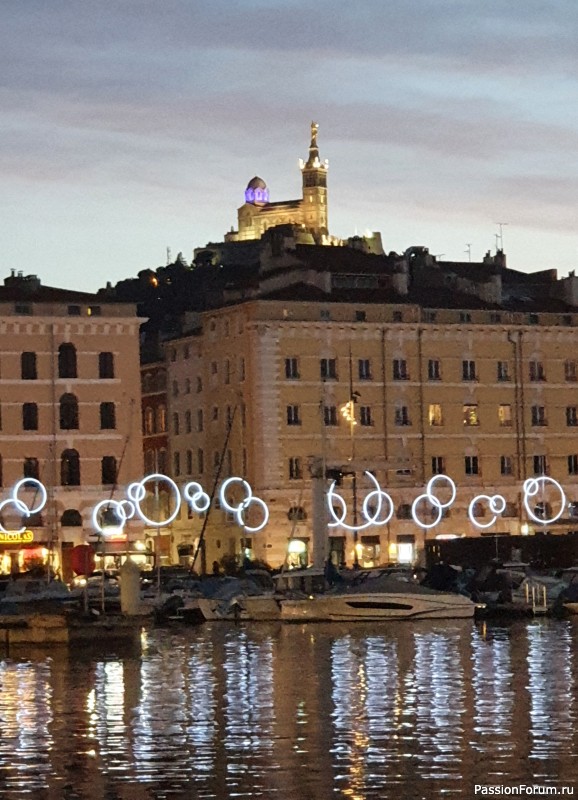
(130, 127)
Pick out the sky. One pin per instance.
(130, 128)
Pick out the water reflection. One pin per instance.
(296, 712)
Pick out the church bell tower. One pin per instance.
(314, 174)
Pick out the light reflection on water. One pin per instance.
(296, 712)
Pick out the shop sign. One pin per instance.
(16, 537)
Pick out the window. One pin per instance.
(540, 464)
(402, 416)
(360, 316)
(478, 510)
(506, 465)
(200, 461)
(503, 371)
(31, 468)
(429, 316)
(570, 372)
(495, 317)
(533, 319)
(23, 308)
(200, 423)
(68, 412)
(400, 372)
(214, 368)
(107, 416)
(438, 465)
(215, 413)
(175, 388)
(471, 414)
(295, 468)
(511, 509)
(106, 365)
(471, 465)
(161, 419)
(505, 416)
(469, 371)
(292, 368)
(71, 518)
(434, 414)
(176, 464)
(176, 425)
(539, 415)
(108, 470)
(330, 415)
(573, 465)
(148, 421)
(403, 511)
(74, 311)
(162, 460)
(328, 368)
(293, 415)
(30, 417)
(465, 316)
(325, 313)
(70, 468)
(28, 370)
(227, 370)
(297, 513)
(189, 462)
(434, 370)
(188, 422)
(199, 384)
(537, 371)
(241, 369)
(364, 369)
(365, 417)
(67, 361)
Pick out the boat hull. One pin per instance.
(374, 607)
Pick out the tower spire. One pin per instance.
(313, 160)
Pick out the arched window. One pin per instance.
(67, 361)
(404, 511)
(71, 518)
(68, 412)
(161, 419)
(70, 468)
(149, 421)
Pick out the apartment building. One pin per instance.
(477, 385)
(69, 400)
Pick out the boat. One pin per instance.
(251, 597)
(375, 598)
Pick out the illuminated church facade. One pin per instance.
(258, 213)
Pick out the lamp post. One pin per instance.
(348, 413)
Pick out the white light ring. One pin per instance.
(39, 486)
(339, 522)
(431, 495)
(531, 489)
(373, 520)
(22, 507)
(137, 492)
(223, 500)
(194, 490)
(435, 503)
(493, 503)
(241, 519)
(117, 505)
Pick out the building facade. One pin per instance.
(70, 400)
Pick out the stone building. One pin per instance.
(70, 399)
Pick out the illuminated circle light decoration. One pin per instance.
(239, 509)
(377, 496)
(531, 488)
(20, 505)
(497, 504)
(430, 498)
(136, 492)
(123, 509)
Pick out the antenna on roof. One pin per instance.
(469, 251)
(168, 256)
(500, 236)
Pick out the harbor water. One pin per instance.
(295, 712)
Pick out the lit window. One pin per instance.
(505, 415)
(435, 416)
(471, 414)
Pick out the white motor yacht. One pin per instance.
(382, 597)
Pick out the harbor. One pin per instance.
(421, 710)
